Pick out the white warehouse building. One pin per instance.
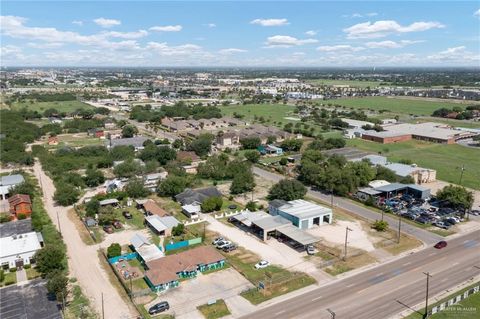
(18, 250)
(301, 213)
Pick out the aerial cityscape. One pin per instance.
(239, 159)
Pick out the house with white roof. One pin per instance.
(146, 250)
(162, 226)
(18, 250)
(301, 213)
(8, 182)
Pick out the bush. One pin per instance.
(114, 250)
(4, 218)
(380, 225)
(178, 230)
(21, 216)
(27, 266)
(13, 269)
(212, 204)
(251, 206)
(2, 275)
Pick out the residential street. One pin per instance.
(83, 260)
(386, 290)
(421, 234)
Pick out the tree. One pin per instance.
(458, 197)
(380, 225)
(114, 250)
(50, 258)
(93, 177)
(252, 155)
(129, 131)
(66, 194)
(212, 204)
(242, 182)
(178, 230)
(178, 144)
(250, 143)
(106, 215)
(122, 152)
(283, 161)
(251, 206)
(136, 189)
(202, 144)
(57, 284)
(386, 174)
(26, 187)
(92, 207)
(127, 169)
(291, 145)
(172, 185)
(287, 189)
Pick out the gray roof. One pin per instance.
(136, 141)
(369, 191)
(246, 217)
(391, 187)
(138, 240)
(190, 196)
(418, 187)
(11, 180)
(303, 209)
(401, 169)
(169, 221)
(277, 203)
(298, 235)
(16, 227)
(108, 201)
(271, 222)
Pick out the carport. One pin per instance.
(269, 225)
(297, 235)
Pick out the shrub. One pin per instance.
(380, 225)
(212, 204)
(2, 274)
(13, 269)
(251, 206)
(178, 230)
(27, 266)
(114, 250)
(21, 216)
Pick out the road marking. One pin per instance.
(280, 312)
(319, 297)
(351, 285)
(406, 264)
(455, 263)
(372, 299)
(430, 255)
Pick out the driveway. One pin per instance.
(83, 260)
(273, 251)
(191, 293)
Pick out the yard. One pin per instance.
(395, 105)
(217, 310)
(76, 140)
(445, 159)
(61, 106)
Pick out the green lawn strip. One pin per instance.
(61, 106)
(405, 106)
(32, 273)
(473, 301)
(9, 279)
(271, 112)
(217, 310)
(78, 306)
(351, 83)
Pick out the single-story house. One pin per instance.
(147, 251)
(20, 204)
(164, 273)
(162, 226)
(8, 182)
(109, 201)
(136, 142)
(191, 211)
(191, 196)
(19, 250)
(151, 208)
(303, 214)
(114, 185)
(151, 180)
(270, 150)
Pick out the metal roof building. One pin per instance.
(302, 213)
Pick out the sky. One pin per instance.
(240, 33)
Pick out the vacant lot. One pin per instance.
(217, 310)
(395, 105)
(270, 112)
(352, 83)
(61, 106)
(446, 159)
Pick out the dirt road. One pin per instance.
(83, 261)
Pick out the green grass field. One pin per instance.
(61, 106)
(446, 159)
(395, 105)
(352, 83)
(271, 112)
(454, 123)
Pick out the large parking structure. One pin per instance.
(30, 301)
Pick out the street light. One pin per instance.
(346, 241)
(399, 227)
(425, 315)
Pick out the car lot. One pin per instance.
(29, 301)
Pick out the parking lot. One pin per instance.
(28, 301)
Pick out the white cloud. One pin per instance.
(126, 35)
(380, 29)
(286, 41)
(458, 54)
(231, 51)
(359, 15)
(107, 23)
(372, 14)
(311, 33)
(167, 28)
(49, 45)
(164, 49)
(77, 22)
(211, 25)
(477, 13)
(339, 48)
(270, 22)
(391, 44)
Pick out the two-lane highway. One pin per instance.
(388, 289)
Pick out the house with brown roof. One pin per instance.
(53, 140)
(165, 273)
(152, 208)
(20, 204)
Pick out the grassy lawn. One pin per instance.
(394, 105)
(473, 301)
(217, 310)
(9, 279)
(137, 217)
(138, 284)
(78, 306)
(389, 242)
(32, 273)
(76, 140)
(271, 112)
(352, 83)
(445, 159)
(341, 266)
(61, 106)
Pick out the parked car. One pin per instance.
(441, 225)
(117, 224)
(108, 229)
(223, 244)
(159, 307)
(311, 250)
(229, 248)
(217, 240)
(262, 264)
(127, 214)
(475, 212)
(441, 244)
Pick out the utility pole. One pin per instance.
(59, 227)
(425, 315)
(103, 309)
(462, 169)
(331, 197)
(346, 241)
(331, 313)
(399, 227)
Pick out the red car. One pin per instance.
(441, 244)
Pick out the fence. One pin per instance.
(228, 214)
(444, 305)
(183, 243)
(123, 257)
(90, 232)
(196, 221)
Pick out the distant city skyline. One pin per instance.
(248, 34)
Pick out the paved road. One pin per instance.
(83, 260)
(421, 234)
(386, 290)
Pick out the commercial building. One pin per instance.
(165, 273)
(301, 213)
(18, 250)
(393, 190)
